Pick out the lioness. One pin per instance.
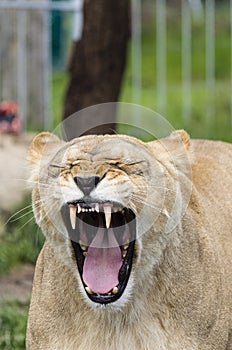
(138, 251)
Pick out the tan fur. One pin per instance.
(179, 296)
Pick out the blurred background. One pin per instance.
(57, 57)
(178, 59)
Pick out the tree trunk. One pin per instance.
(97, 62)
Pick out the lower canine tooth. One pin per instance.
(83, 246)
(115, 290)
(126, 245)
(88, 290)
(72, 213)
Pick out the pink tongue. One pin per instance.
(102, 265)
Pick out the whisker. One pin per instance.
(50, 205)
(145, 184)
(36, 203)
(20, 217)
(27, 222)
(138, 199)
(19, 211)
(157, 187)
(33, 182)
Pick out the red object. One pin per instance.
(9, 119)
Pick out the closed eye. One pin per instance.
(127, 163)
(136, 163)
(132, 168)
(54, 170)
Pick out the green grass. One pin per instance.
(201, 124)
(13, 320)
(204, 123)
(21, 241)
(215, 123)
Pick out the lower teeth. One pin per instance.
(82, 245)
(115, 290)
(88, 290)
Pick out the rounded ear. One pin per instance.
(183, 136)
(177, 139)
(42, 140)
(174, 149)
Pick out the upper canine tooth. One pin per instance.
(72, 213)
(97, 207)
(107, 211)
(78, 208)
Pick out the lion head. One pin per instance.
(109, 205)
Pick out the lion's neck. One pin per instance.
(136, 327)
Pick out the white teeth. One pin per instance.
(88, 290)
(72, 213)
(85, 210)
(115, 290)
(126, 245)
(107, 211)
(83, 246)
(124, 253)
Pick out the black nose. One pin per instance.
(86, 184)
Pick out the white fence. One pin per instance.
(190, 10)
(25, 56)
(21, 10)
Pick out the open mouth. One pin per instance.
(103, 238)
